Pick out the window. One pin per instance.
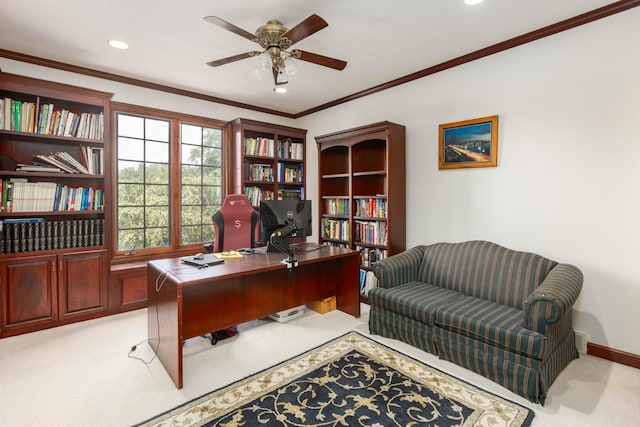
(169, 179)
(143, 183)
(201, 181)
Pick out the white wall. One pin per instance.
(566, 185)
(568, 175)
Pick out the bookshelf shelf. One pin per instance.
(370, 218)
(55, 175)
(362, 172)
(85, 213)
(369, 173)
(53, 263)
(336, 175)
(55, 138)
(273, 151)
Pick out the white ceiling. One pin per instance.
(170, 43)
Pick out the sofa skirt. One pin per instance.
(525, 376)
(392, 325)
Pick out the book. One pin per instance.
(7, 113)
(93, 159)
(50, 160)
(370, 282)
(37, 168)
(67, 158)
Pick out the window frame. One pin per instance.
(175, 119)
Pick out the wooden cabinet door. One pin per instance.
(28, 291)
(82, 286)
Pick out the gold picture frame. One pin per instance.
(469, 144)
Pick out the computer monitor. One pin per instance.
(283, 219)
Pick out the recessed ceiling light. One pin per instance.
(280, 89)
(118, 44)
(472, 2)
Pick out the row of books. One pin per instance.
(291, 194)
(290, 173)
(258, 172)
(36, 234)
(370, 255)
(255, 194)
(368, 281)
(336, 244)
(261, 146)
(290, 150)
(336, 229)
(22, 196)
(371, 232)
(373, 208)
(47, 119)
(336, 207)
(61, 161)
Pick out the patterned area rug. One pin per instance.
(350, 381)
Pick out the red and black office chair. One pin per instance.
(236, 226)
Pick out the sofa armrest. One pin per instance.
(399, 268)
(553, 298)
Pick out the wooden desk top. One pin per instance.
(185, 274)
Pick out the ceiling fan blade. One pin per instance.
(325, 61)
(229, 59)
(304, 29)
(230, 27)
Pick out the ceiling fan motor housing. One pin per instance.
(270, 35)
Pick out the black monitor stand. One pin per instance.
(279, 241)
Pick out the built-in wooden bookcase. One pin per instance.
(54, 234)
(269, 160)
(362, 190)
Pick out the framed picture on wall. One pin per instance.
(469, 144)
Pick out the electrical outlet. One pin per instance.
(581, 341)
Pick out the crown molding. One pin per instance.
(567, 24)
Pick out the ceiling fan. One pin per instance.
(275, 39)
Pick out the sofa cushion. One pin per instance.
(491, 323)
(484, 270)
(416, 300)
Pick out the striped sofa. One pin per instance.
(501, 313)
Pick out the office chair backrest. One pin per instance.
(236, 224)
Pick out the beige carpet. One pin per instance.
(351, 380)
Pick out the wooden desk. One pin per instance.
(190, 302)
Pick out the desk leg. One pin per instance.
(164, 312)
(348, 276)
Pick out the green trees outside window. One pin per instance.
(149, 205)
(201, 181)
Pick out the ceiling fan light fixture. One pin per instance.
(290, 66)
(263, 65)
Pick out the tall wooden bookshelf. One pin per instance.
(269, 160)
(54, 225)
(362, 190)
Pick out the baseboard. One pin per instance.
(613, 355)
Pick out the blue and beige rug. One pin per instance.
(349, 381)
